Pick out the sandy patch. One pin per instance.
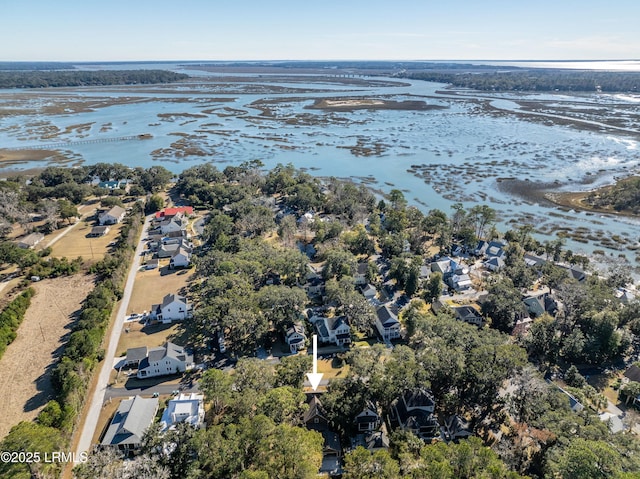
(26, 365)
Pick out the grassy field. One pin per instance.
(330, 369)
(153, 285)
(25, 366)
(76, 243)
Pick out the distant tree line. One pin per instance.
(57, 78)
(535, 80)
(30, 66)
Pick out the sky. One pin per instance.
(130, 30)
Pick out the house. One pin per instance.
(295, 337)
(165, 360)
(172, 225)
(495, 249)
(331, 453)
(152, 264)
(130, 422)
(368, 420)
(369, 292)
(376, 441)
(413, 411)
(187, 408)
(315, 287)
(171, 212)
(173, 308)
(98, 231)
(468, 314)
(306, 219)
(29, 241)
(134, 356)
(533, 260)
(444, 266)
(181, 258)
(633, 373)
(574, 404)
(332, 330)
(112, 216)
(425, 272)
(494, 263)
(387, 324)
(115, 185)
(575, 272)
(361, 274)
(456, 428)
(539, 302)
(167, 250)
(460, 282)
(625, 295)
(315, 417)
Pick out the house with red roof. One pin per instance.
(170, 212)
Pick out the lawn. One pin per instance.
(76, 243)
(153, 285)
(330, 368)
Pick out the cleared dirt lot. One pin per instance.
(26, 364)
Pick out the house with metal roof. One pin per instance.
(130, 422)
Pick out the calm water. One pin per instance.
(437, 157)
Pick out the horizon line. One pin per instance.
(327, 60)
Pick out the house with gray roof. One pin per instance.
(387, 324)
(413, 411)
(173, 308)
(134, 356)
(165, 360)
(130, 422)
(295, 337)
(332, 330)
(29, 241)
(112, 216)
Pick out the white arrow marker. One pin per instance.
(315, 377)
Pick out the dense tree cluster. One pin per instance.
(11, 317)
(53, 195)
(623, 196)
(535, 80)
(74, 78)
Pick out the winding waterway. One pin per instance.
(464, 149)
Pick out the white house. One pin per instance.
(111, 217)
(165, 360)
(173, 308)
(332, 330)
(181, 258)
(173, 224)
(387, 324)
(295, 337)
(187, 408)
(368, 420)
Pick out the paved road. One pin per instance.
(149, 390)
(96, 402)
